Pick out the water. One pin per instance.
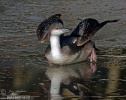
(23, 67)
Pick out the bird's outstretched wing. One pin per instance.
(45, 27)
(87, 28)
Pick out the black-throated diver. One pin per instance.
(73, 48)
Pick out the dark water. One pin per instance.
(23, 66)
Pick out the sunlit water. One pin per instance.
(24, 71)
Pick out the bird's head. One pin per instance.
(58, 32)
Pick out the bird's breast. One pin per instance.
(61, 59)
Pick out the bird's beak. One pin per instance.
(65, 30)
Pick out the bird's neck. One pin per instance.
(55, 85)
(55, 46)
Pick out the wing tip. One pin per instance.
(116, 20)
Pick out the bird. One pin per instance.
(73, 48)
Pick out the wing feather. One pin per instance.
(87, 28)
(45, 27)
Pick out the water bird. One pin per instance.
(73, 48)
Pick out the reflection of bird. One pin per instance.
(73, 48)
(69, 77)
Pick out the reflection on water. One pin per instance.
(83, 81)
(69, 76)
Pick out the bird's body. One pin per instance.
(67, 55)
(73, 48)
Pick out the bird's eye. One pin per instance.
(57, 28)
